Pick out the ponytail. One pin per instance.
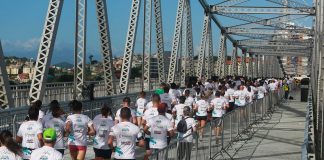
(7, 140)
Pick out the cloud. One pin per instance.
(19, 45)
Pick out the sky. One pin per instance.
(22, 24)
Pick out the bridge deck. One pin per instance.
(280, 137)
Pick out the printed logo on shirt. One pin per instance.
(118, 151)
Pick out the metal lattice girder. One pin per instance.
(147, 43)
(190, 52)
(250, 73)
(256, 67)
(271, 31)
(210, 56)
(80, 48)
(292, 4)
(220, 59)
(129, 48)
(6, 100)
(45, 50)
(260, 43)
(234, 61)
(183, 56)
(225, 58)
(215, 9)
(285, 53)
(159, 39)
(231, 2)
(106, 51)
(254, 36)
(176, 42)
(272, 51)
(201, 56)
(243, 62)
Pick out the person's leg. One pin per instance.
(81, 154)
(148, 150)
(139, 122)
(203, 123)
(73, 152)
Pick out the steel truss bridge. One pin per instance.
(261, 35)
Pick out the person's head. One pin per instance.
(162, 107)
(53, 103)
(125, 113)
(217, 94)
(75, 106)
(173, 86)
(142, 94)
(37, 104)
(6, 139)
(249, 88)
(241, 87)
(162, 85)
(186, 111)
(203, 96)
(33, 113)
(49, 136)
(126, 102)
(156, 99)
(57, 110)
(105, 110)
(187, 93)
(182, 99)
(166, 89)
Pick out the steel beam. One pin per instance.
(106, 50)
(234, 61)
(6, 100)
(273, 31)
(147, 44)
(225, 58)
(209, 58)
(45, 50)
(176, 42)
(203, 44)
(216, 9)
(129, 47)
(250, 66)
(292, 4)
(220, 59)
(243, 63)
(282, 54)
(190, 51)
(159, 39)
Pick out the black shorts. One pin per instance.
(147, 144)
(200, 118)
(61, 151)
(123, 159)
(104, 153)
(217, 121)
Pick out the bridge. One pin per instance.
(272, 38)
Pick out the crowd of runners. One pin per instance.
(170, 112)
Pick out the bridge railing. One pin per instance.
(308, 147)
(63, 91)
(12, 118)
(235, 126)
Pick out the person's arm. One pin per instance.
(68, 128)
(19, 139)
(91, 131)
(111, 141)
(171, 133)
(146, 130)
(141, 143)
(40, 138)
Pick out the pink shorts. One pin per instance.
(77, 148)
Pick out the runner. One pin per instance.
(30, 133)
(218, 106)
(148, 114)
(177, 110)
(190, 101)
(140, 107)
(9, 149)
(159, 128)
(58, 124)
(240, 97)
(47, 152)
(126, 103)
(102, 124)
(126, 134)
(229, 95)
(201, 108)
(78, 126)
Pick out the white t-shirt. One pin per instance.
(5, 154)
(48, 116)
(117, 117)
(59, 125)
(159, 127)
(174, 94)
(242, 95)
(191, 124)
(165, 98)
(102, 126)
(149, 105)
(202, 108)
(126, 134)
(152, 112)
(46, 153)
(189, 101)
(229, 93)
(79, 129)
(261, 92)
(179, 109)
(218, 106)
(40, 116)
(140, 106)
(28, 131)
(251, 96)
(273, 86)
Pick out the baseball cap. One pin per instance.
(159, 91)
(49, 134)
